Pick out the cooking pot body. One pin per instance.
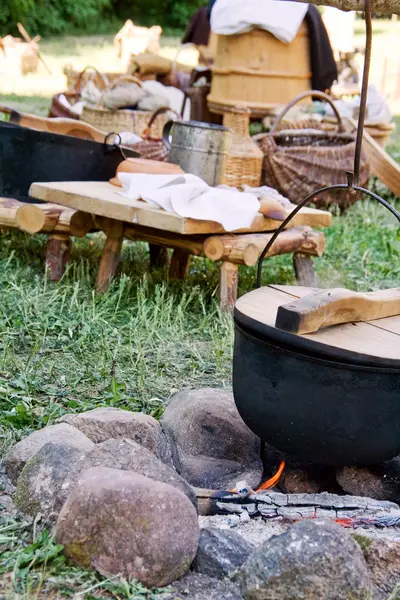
(321, 411)
(27, 155)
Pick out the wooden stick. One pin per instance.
(32, 219)
(379, 6)
(304, 270)
(246, 249)
(228, 285)
(8, 212)
(57, 125)
(111, 252)
(57, 254)
(45, 218)
(25, 35)
(178, 268)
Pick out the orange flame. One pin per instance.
(273, 480)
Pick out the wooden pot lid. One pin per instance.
(373, 344)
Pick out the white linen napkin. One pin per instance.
(190, 197)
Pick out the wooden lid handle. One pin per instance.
(335, 306)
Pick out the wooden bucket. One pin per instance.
(258, 70)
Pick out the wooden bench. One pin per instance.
(77, 208)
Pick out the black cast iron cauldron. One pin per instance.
(327, 403)
(321, 403)
(27, 155)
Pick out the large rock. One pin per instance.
(381, 482)
(41, 480)
(196, 586)
(313, 560)
(15, 460)
(119, 522)
(128, 456)
(101, 424)
(220, 553)
(383, 560)
(211, 445)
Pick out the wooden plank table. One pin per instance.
(120, 217)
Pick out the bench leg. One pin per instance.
(304, 269)
(159, 257)
(228, 285)
(111, 254)
(57, 254)
(178, 268)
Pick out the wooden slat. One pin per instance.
(363, 338)
(102, 198)
(382, 164)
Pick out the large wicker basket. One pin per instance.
(243, 163)
(135, 121)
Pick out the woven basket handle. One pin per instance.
(297, 99)
(156, 113)
(96, 72)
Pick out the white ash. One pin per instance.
(255, 531)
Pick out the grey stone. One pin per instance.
(220, 553)
(383, 561)
(7, 506)
(197, 586)
(15, 460)
(313, 560)
(381, 482)
(41, 479)
(119, 522)
(211, 445)
(102, 424)
(126, 455)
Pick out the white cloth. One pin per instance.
(190, 197)
(282, 19)
(378, 110)
(174, 96)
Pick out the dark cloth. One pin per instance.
(323, 65)
(198, 30)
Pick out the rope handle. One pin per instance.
(317, 94)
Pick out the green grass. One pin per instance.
(64, 349)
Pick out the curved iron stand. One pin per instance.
(352, 177)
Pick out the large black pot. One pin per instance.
(310, 405)
(28, 156)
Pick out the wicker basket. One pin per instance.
(243, 163)
(135, 121)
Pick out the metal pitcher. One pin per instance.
(198, 148)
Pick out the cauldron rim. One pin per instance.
(319, 351)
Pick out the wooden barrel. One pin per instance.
(258, 70)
